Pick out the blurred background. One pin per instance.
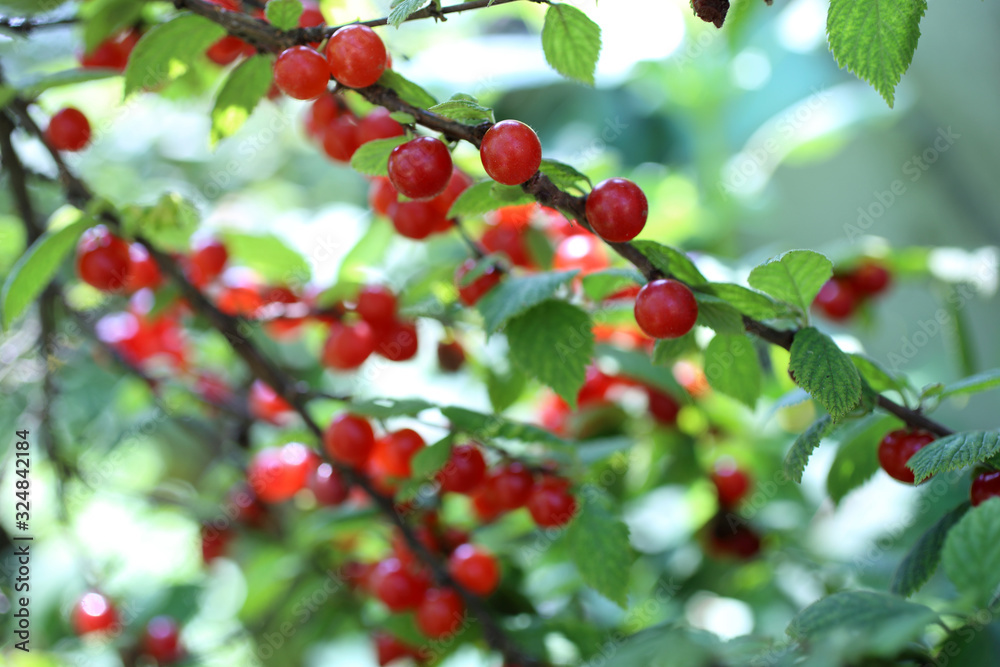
(748, 141)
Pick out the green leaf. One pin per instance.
(802, 448)
(571, 42)
(504, 388)
(747, 301)
(168, 50)
(432, 458)
(601, 284)
(876, 375)
(481, 198)
(485, 427)
(671, 261)
(638, 366)
(372, 158)
(795, 277)
(920, 563)
(283, 14)
(269, 256)
(857, 458)
(403, 118)
(875, 39)
(972, 384)
(514, 296)
(598, 543)
(510, 195)
(718, 315)
(732, 367)
(865, 611)
(384, 408)
(37, 266)
(168, 224)
(540, 249)
(971, 555)
(563, 176)
(825, 371)
(244, 88)
(406, 89)
(954, 452)
(399, 10)
(465, 111)
(553, 343)
(667, 350)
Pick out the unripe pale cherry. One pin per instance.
(617, 210)
(356, 55)
(420, 168)
(665, 309)
(511, 152)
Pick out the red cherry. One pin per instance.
(348, 345)
(738, 541)
(451, 356)
(226, 50)
(397, 449)
(378, 125)
(239, 296)
(246, 506)
(282, 327)
(580, 251)
(321, 113)
(596, 386)
(311, 17)
(161, 641)
(68, 130)
(510, 241)
(144, 272)
(475, 290)
(665, 309)
(617, 210)
(457, 184)
(869, 279)
(267, 405)
(985, 485)
(554, 414)
(328, 486)
(397, 588)
(485, 504)
(517, 217)
(420, 168)
(277, 473)
(103, 260)
(512, 485)
(349, 439)
(377, 305)
(381, 195)
(440, 613)
(662, 406)
(551, 504)
(356, 55)
(112, 53)
(464, 470)
(208, 259)
(389, 649)
(93, 613)
(214, 542)
(416, 219)
(511, 152)
(340, 139)
(398, 341)
(897, 447)
(301, 72)
(836, 299)
(475, 569)
(731, 484)
(425, 536)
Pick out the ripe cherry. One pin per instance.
(68, 130)
(144, 272)
(378, 125)
(475, 290)
(731, 484)
(580, 251)
(421, 168)
(112, 53)
(381, 195)
(357, 56)
(388, 649)
(551, 504)
(328, 486)
(485, 504)
(348, 345)
(349, 439)
(737, 541)
(277, 473)
(451, 356)
(512, 485)
(227, 49)
(869, 279)
(416, 219)
(596, 386)
(665, 309)
(457, 184)
(265, 404)
(440, 613)
(464, 470)
(475, 569)
(517, 217)
(985, 485)
(93, 613)
(161, 640)
(240, 294)
(207, 260)
(397, 588)
(617, 210)
(836, 299)
(340, 139)
(398, 341)
(245, 506)
(662, 406)
(509, 240)
(397, 449)
(897, 447)
(376, 305)
(321, 113)
(301, 72)
(511, 152)
(214, 542)
(103, 260)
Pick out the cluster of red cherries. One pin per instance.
(728, 535)
(841, 296)
(95, 614)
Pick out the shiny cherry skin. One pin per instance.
(897, 447)
(475, 569)
(617, 210)
(665, 309)
(421, 168)
(349, 439)
(464, 470)
(356, 55)
(510, 152)
(93, 613)
(440, 613)
(68, 130)
(103, 260)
